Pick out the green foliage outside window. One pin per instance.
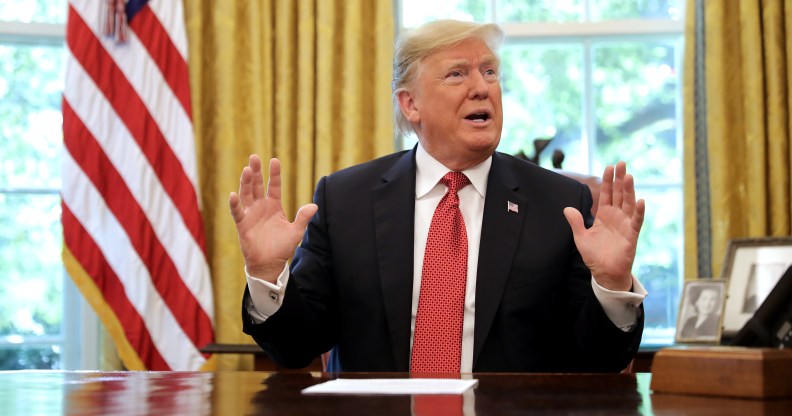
(31, 273)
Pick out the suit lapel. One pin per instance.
(394, 218)
(500, 234)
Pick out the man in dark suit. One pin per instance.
(546, 288)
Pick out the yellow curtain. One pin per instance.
(305, 81)
(748, 80)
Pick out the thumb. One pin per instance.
(575, 220)
(304, 214)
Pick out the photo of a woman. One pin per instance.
(700, 315)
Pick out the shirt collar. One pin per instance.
(430, 171)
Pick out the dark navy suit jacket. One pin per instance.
(352, 276)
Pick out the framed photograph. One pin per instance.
(700, 311)
(752, 267)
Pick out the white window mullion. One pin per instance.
(492, 11)
(32, 33)
(627, 27)
(80, 330)
(589, 119)
(587, 10)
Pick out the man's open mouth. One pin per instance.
(479, 116)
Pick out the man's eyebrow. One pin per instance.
(459, 63)
(490, 60)
(456, 63)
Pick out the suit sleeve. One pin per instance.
(303, 327)
(601, 345)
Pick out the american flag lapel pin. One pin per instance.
(512, 207)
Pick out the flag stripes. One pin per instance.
(171, 17)
(88, 50)
(99, 118)
(123, 206)
(107, 282)
(166, 336)
(155, 39)
(130, 203)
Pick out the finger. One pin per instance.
(274, 183)
(618, 184)
(237, 211)
(304, 215)
(257, 181)
(575, 220)
(246, 186)
(628, 206)
(638, 217)
(606, 191)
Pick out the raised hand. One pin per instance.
(608, 247)
(266, 236)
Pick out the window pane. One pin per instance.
(31, 84)
(658, 261)
(17, 357)
(542, 98)
(31, 283)
(635, 91)
(416, 12)
(636, 9)
(39, 11)
(540, 10)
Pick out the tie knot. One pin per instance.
(455, 181)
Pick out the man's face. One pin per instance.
(455, 104)
(707, 301)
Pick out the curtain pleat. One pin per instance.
(747, 57)
(305, 81)
(691, 240)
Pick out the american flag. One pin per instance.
(133, 234)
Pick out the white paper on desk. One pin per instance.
(392, 386)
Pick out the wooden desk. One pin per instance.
(273, 393)
(261, 361)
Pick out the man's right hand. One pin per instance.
(266, 236)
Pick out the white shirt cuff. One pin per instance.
(621, 306)
(266, 298)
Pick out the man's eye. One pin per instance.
(491, 72)
(455, 74)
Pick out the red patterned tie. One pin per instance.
(437, 342)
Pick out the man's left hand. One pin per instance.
(608, 247)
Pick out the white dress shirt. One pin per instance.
(619, 306)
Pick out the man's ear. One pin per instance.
(408, 107)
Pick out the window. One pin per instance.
(42, 316)
(602, 78)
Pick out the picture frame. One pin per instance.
(700, 318)
(752, 267)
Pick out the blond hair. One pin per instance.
(418, 43)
